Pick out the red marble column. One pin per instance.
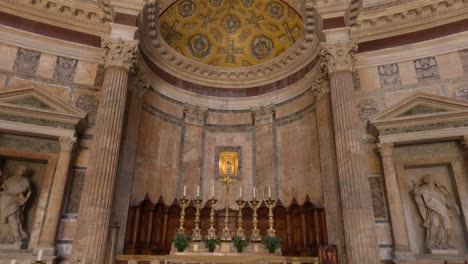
(358, 217)
(98, 189)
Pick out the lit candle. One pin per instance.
(39, 255)
(13, 261)
(212, 191)
(254, 193)
(240, 192)
(185, 190)
(269, 192)
(198, 191)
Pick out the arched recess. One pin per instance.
(297, 234)
(205, 218)
(173, 216)
(263, 218)
(281, 225)
(247, 217)
(190, 212)
(158, 229)
(144, 226)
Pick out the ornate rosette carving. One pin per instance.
(338, 57)
(195, 115)
(385, 149)
(119, 52)
(320, 87)
(67, 143)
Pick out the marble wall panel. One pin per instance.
(219, 138)
(449, 65)
(427, 69)
(229, 118)
(157, 159)
(389, 75)
(369, 79)
(458, 91)
(464, 59)
(167, 106)
(74, 191)
(86, 101)
(295, 105)
(378, 196)
(67, 229)
(65, 69)
(407, 73)
(46, 66)
(100, 72)
(366, 108)
(86, 73)
(26, 61)
(298, 161)
(8, 56)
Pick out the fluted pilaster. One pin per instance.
(358, 218)
(98, 188)
(400, 234)
(54, 208)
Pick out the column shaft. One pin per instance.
(54, 208)
(358, 215)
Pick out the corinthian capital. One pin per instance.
(195, 115)
(67, 143)
(385, 149)
(119, 52)
(338, 57)
(263, 114)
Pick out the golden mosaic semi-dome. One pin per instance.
(230, 33)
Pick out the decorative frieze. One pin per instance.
(389, 75)
(461, 92)
(426, 69)
(338, 57)
(119, 52)
(26, 61)
(65, 69)
(195, 115)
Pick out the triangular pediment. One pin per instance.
(34, 104)
(427, 111)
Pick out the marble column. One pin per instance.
(397, 217)
(358, 217)
(98, 188)
(54, 207)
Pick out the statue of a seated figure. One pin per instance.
(14, 193)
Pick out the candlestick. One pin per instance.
(255, 231)
(212, 230)
(181, 229)
(196, 236)
(271, 230)
(240, 230)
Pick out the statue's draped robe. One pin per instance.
(12, 199)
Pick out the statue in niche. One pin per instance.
(14, 193)
(434, 203)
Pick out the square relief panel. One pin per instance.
(430, 200)
(389, 75)
(426, 69)
(366, 108)
(26, 61)
(461, 92)
(65, 69)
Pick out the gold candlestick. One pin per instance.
(271, 230)
(212, 230)
(255, 231)
(196, 236)
(183, 202)
(227, 180)
(240, 231)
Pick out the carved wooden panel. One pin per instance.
(281, 226)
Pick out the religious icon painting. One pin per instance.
(328, 254)
(227, 161)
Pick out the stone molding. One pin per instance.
(338, 57)
(408, 17)
(385, 149)
(195, 114)
(119, 52)
(69, 14)
(142, 85)
(67, 143)
(165, 57)
(263, 115)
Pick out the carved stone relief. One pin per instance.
(99, 81)
(426, 69)
(378, 197)
(356, 81)
(389, 75)
(366, 108)
(464, 59)
(65, 69)
(26, 61)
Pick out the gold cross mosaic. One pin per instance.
(230, 33)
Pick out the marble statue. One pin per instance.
(434, 203)
(14, 193)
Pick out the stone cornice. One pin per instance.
(119, 52)
(407, 18)
(338, 57)
(161, 54)
(68, 14)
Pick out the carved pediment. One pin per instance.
(30, 104)
(422, 113)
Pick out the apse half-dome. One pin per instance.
(230, 33)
